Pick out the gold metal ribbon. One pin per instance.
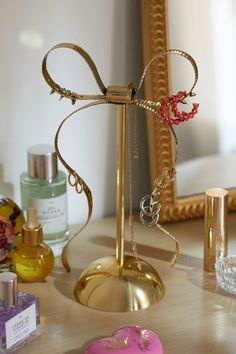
(111, 94)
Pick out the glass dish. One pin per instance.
(226, 273)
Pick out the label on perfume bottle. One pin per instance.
(51, 213)
(20, 326)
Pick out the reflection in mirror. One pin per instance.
(207, 146)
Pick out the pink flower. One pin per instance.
(6, 232)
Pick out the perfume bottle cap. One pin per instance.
(8, 288)
(42, 161)
(32, 230)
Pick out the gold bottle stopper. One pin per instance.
(32, 230)
(215, 233)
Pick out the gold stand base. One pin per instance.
(103, 287)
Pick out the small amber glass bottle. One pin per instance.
(32, 259)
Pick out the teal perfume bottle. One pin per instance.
(44, 188)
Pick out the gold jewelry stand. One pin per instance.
(119, 283)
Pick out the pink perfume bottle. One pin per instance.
(19, 315)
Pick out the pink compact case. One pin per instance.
(127, 340)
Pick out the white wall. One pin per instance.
(109, 31)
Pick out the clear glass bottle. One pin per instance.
(44, 188)
(19, 315)
(32, 259)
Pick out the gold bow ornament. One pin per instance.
(126, 95)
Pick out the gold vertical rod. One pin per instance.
(120, 201)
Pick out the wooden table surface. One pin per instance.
(194, 317)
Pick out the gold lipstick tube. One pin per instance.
(215, 233)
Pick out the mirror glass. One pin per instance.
(207, 144)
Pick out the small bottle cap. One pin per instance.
(8, 288)
(42, 161)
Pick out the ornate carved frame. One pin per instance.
(161, 153)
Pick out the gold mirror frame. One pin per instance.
(154, 14)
